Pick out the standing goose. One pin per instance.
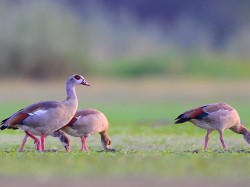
(87, 122)
(43, 118)
(218, 116)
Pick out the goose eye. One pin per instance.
(77, 77)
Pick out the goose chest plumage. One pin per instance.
(43, 118)
(217, 116)
(87, 122)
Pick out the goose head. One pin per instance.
(76, 79)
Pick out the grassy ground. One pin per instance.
(148, 146)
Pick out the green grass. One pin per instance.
(177, 65)
(146, 143)
(127, 163)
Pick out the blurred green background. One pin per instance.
(147, 61)
(53, 38)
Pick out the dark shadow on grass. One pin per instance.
(109, 150)
(196, 151)
(232, 151)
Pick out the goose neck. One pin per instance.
(71, 92)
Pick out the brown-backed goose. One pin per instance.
(218, 116)
(43, 118)
(87, 122)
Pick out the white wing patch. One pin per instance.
(38, 112)
(223, 110)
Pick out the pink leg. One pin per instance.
(84, 146)
(222, 140)
(207, 139)
(37, 141)
(43, 142)
(23, 143)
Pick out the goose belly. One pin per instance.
(201, 124)
(33, 131)
(72, 132)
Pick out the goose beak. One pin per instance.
(85, 83)
(67, 148)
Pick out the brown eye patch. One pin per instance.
(77, 77)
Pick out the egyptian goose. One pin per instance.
(218, 116)
(87, 122)
(43, 118)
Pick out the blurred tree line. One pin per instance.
(51, 38)
(39, 39)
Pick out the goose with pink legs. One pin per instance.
(218, 116)
(85, 123)
(59, 134)
(44, 118)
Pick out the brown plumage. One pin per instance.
(44, 118)
(218, 116)
(87, 122)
